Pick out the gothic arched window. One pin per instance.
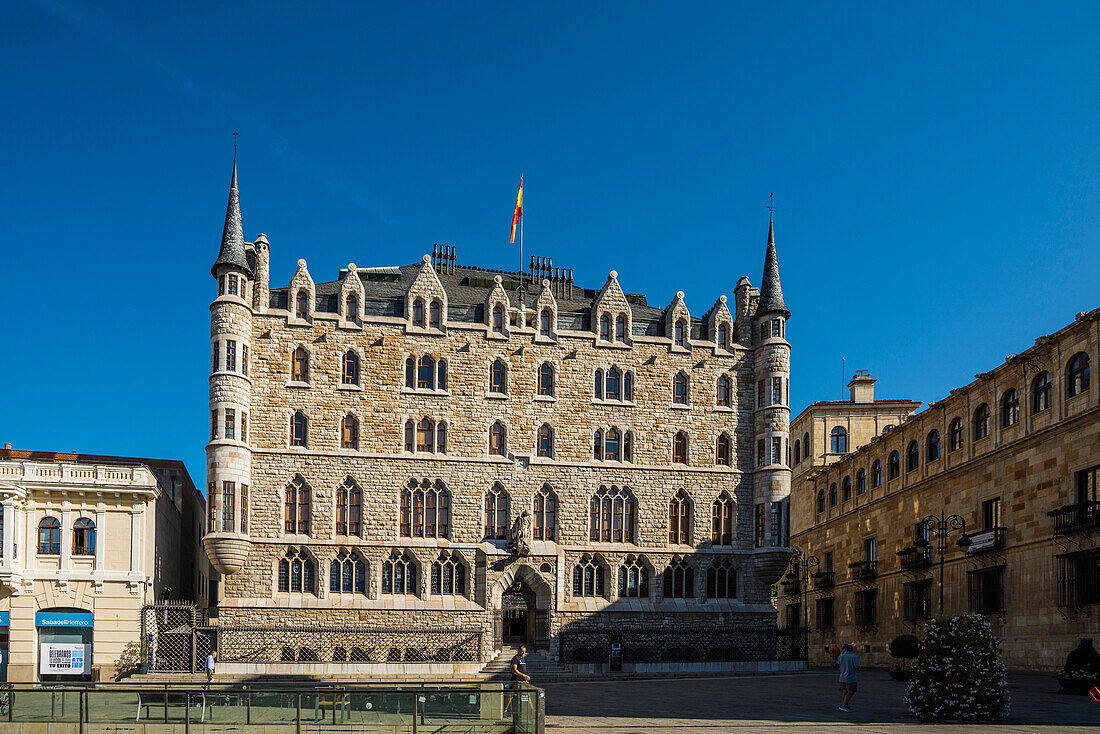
(298, 429)
(349, 508)
(399, 574)
(497, 439)
(496, 513)
(679, 580)
(721, 532)
(545, 443)
(297, 573)
(680, 389)
(722, 453)
(300, 365)
(679, 519)
(680, 448)
(498, 376)
(546, 514)
(721, 580)
(633, 578)
(296, 507)
(350, 373)
(435, 315)
(546, 379)
(349, 432)
(611, 516)
(448, 575)
(347, 574)
(418, 313)
(425, 510)
(724, 397)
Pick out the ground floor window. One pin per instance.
(917, 600)
(792, 617)
(1079, 579)
(985, 589)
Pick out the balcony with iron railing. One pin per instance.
(1074, 517)
(914, 557)
(986, 540)
(862, 570)
(823, 579)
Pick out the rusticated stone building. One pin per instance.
(1008, 465)
(422, 462)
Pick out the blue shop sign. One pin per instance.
(63, 619)
(4, 617)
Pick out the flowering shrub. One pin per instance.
(959, 673)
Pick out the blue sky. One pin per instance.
(935, 167)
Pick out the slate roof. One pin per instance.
(771, 291)
(232, 251)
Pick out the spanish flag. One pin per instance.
(519, 210)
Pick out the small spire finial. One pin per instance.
(771, 200)
(235, 134)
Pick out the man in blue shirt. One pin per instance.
(848, 664)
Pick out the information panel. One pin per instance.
(61, 659)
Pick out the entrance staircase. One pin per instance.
(541, 669)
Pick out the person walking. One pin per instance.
(518, 667)
(834, 653)
(211, 661)
(849, 680)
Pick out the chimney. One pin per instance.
(7, 447)
(862, 387)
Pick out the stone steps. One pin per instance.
(540, 668)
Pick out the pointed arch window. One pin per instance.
(84, 537)
(545, 443)
(297, 573)
(628, 386)
(350, 373)
(633, 578)
(722, 452)
(498, 444)
(838, 440)
(441, 375)
(296, 507)
(612, 445)
(349, 508)
(1077, 374)
(679, 519)
(605, 328)
(347, 574)
(498, 377)
(1041, 393)
(410, 372)
(351, 307)
(680, 448)
(678, 333)
(724, 397)
(597, 445)
(955, 435)
(620, 328)
(399, 574)
(425, 510)
(301, 304)
(680, 389)
(546, 514)
(299, 429)
(418, 313)
(611, 515)
(300, 365)
(721, 530)
(721, 580)
(1010, 408)
(679, 580)
(49, 536)
(628, 446)
(448, 576)
(893, 466)
(435, 315)
(721, 338)
(425, 373)
(981, 422)
(932, 446)
(349, 432)
(496, 513)
(425, 435)
(597, 392)
(544, 322)
(546, 379)
(498, 318)
(588, 577)
(611, 384)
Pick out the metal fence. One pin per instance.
(487, 707)
(679, 646)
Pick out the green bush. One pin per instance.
(1083, 661)
(904, 646)
(959, 673)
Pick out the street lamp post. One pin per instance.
(941, 528)
(801, 563)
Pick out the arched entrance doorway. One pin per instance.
(521, 609)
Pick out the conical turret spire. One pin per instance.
(771, 291)
(232, 251)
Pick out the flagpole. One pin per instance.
(521, 242)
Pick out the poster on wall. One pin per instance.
(59, 659)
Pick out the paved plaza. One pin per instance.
(801, 702)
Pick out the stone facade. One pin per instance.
(518, 411)
(125, 533)
(1015, 455)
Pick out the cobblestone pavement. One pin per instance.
(800, 702)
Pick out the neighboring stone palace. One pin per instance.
(425, 462)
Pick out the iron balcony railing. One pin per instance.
(986, 540)
(913, 557)
(864, 569)
(1078, 516)
(823, 579)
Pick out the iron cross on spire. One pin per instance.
(771, 202)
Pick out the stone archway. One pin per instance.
(521, 604)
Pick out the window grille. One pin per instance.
(917, 600)
(985, 589)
